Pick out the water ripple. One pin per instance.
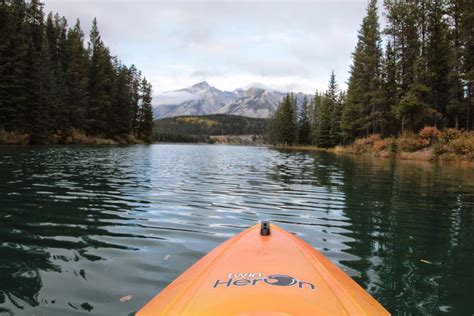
(83, 226)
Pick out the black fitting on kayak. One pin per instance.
(265, 228)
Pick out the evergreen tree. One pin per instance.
(403, 24)
(36, 56)
(283, 129)
(362, 111)
(100, 83)
(316, 116)
(145, 131)
(412, 106)
(467, 40)
(121, 114)
(437, 59)
(135, 82)
(5, 22)
(455, 108)
(336, 120)
(327, 133)
(390, 89)
(294, 114)
(77, 78)
(55, 33)
(42, 127)
(50, 84)
(14, 66)
(304, 123)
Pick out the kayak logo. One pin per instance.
(255, 279)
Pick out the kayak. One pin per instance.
(264, 270)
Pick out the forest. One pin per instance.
(194, 129)
(54, 88)
(415, 72)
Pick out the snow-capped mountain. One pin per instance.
(254, 102)
(200, 99)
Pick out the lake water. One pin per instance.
(81, 227)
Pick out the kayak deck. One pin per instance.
(252, 274)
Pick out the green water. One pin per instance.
(81, 227)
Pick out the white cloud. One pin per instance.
(288, 45)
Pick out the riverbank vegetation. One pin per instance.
(53, 89)
(409, 80)
(429, 144)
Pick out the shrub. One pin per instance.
(362, 145)
(430, 133)
(383, 144)
(449, 134)
(463, 145)
(412, 142)
(469, 144)
(12, 138)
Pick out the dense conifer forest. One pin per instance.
(417, 71)
(53, 87)
(193, 129)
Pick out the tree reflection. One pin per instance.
(57, 206)
(411, 229)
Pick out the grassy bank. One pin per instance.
(75, 137)
(430, 144)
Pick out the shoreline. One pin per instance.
(426, 154)
(75, 138)
(429, 144)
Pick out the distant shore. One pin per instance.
(74, 138)
(430, 144)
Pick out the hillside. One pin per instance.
(198, 128)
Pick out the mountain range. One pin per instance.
(203, 99)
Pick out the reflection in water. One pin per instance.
(83, 226)
(404, 227)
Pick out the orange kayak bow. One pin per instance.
(263, 271)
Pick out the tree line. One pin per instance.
(417, 71)
(51, 84)
(212, 124)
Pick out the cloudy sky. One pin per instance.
(286, 45)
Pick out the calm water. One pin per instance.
(81, 227)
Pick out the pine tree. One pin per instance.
(304, 123)
(365, 82)
(145, 130)
(42, 127)
(327, 133)
(294, 114)
(135, 82)
(36, 56)
(412, 106)
(456, 104)
(55, 33)
(316, 116)
(283, 129)
(336, 120)
(50, 84)
(390, 89)
(76, 78)
(121, 114)
(5, 22)
(14, 67)
(467, 40)
(100, 83)
(437, 59)
(403, 24)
